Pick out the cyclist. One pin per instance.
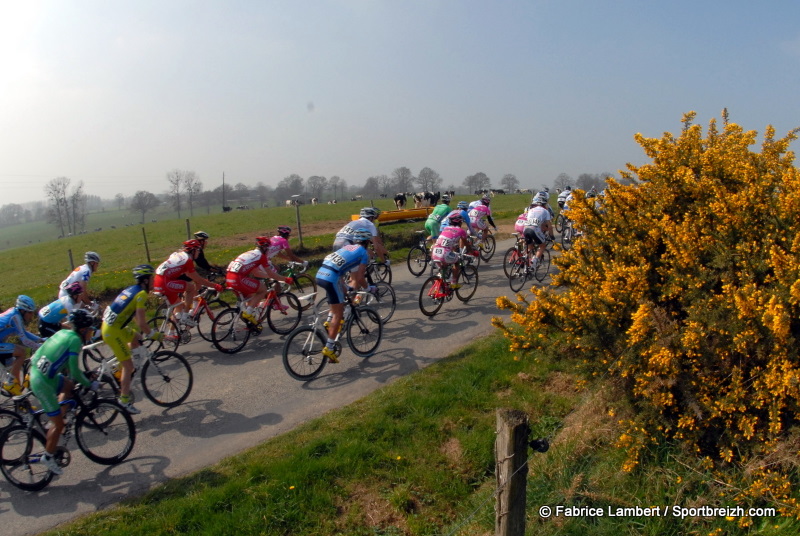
(463, 209)
(368, 215)
(433, 223)
(12, 323)
(480, 214)
(200, 260)
(170, 285)
(562, 196)
(279, 244)
(52, 316)
(123, 320)
(352, 258)
(56, 359)
(445, 250)
(81, 275)
(245, 274)
(522, 219)
(537, 224)
(545, 198)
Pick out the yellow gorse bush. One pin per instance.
(686, 285)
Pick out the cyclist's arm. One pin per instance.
(379, 249)
(75, 371)
(202, 262)
(289, 254)
(26, 338)
(140, 317)
(358, 276)
(490, 220)
(194, 276)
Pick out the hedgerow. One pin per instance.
(686, 286)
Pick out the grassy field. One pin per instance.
(416, 458)
(37, 269)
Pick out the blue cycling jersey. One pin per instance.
(337, 264)
(464, 215)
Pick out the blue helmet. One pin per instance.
(362, 235)
(25, 303)
(462, 205)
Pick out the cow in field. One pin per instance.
(314, 201)
(400, 201)
(426, 199)
(332, 202)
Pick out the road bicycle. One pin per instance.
(569, 235)
(383, 299)
(103, 430)
(526, 267)
(302, 352)
(166, 375)
(437, 289)
(303, 285)
(379, 272)
(559, 222)
(230, 331)
(513, 253)
(485, 244)
(419, 256)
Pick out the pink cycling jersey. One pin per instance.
(478, 214)
(444, 250)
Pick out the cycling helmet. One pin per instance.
(591, 195)
(201, 235)
(456, 219)
(369, 212)
(141, 271)
(192, 245)
(462, 205)
(91, 256)
(81, 318)
(284, 231)
(25, 303)
(446, 198)
(74, 289)
(263, 241)
(362, 235)
(486, 199)
(568, 188)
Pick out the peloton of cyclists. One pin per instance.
(346, 234)
(448, 245)
(537, 226)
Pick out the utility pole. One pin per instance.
(223, 192)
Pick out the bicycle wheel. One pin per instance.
(172, 335)
(559, 223)
(364, 331)
(105, 432)
(167, 378)
(229, 333)
(302, 353)
(7, 419)
(207, 316)
(283, 315)
(21, 452)
(566, 237)
(417, 260)
(518, 275)
(509, 259)
(304, 287)
(488, 245)
(430, 296)
(543, 268)
(469, 283)
(91, 358)
(384, 301)
(383, 272)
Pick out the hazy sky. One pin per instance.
(119, 93)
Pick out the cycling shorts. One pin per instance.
(332, 283)
(118, 339)
(433, 227)
(244, 285)
(443, 255)
(47, 391)
(169, 288)
(46, 329)
(534, 235)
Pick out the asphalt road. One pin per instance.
(241, 400)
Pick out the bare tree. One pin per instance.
(403, 179)
(120, 199)
(143, 202)
(333, 184)
(56, 192)
(477, 182)
(316, 185)
(241, 191)
(262, 193)
(429, 180)
(562, 181)
(175, 179)
(509, 182)
(193, 187)
(77, 208)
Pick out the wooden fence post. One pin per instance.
(71, 261)
(511, 456)
(146, 248)
(188, 230)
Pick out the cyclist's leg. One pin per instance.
(120, 342)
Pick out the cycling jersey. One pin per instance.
(335, 267)
(51, 315)
(562, 197)
(464, 216)
(478, 215)
(81, 274)
(519, 225)
(536, 217)
(432, 224)
(117, 329)
(59, 354)
(345, 235)
(445, 250)
(238, 278)
(166, 280)
(11, 323)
